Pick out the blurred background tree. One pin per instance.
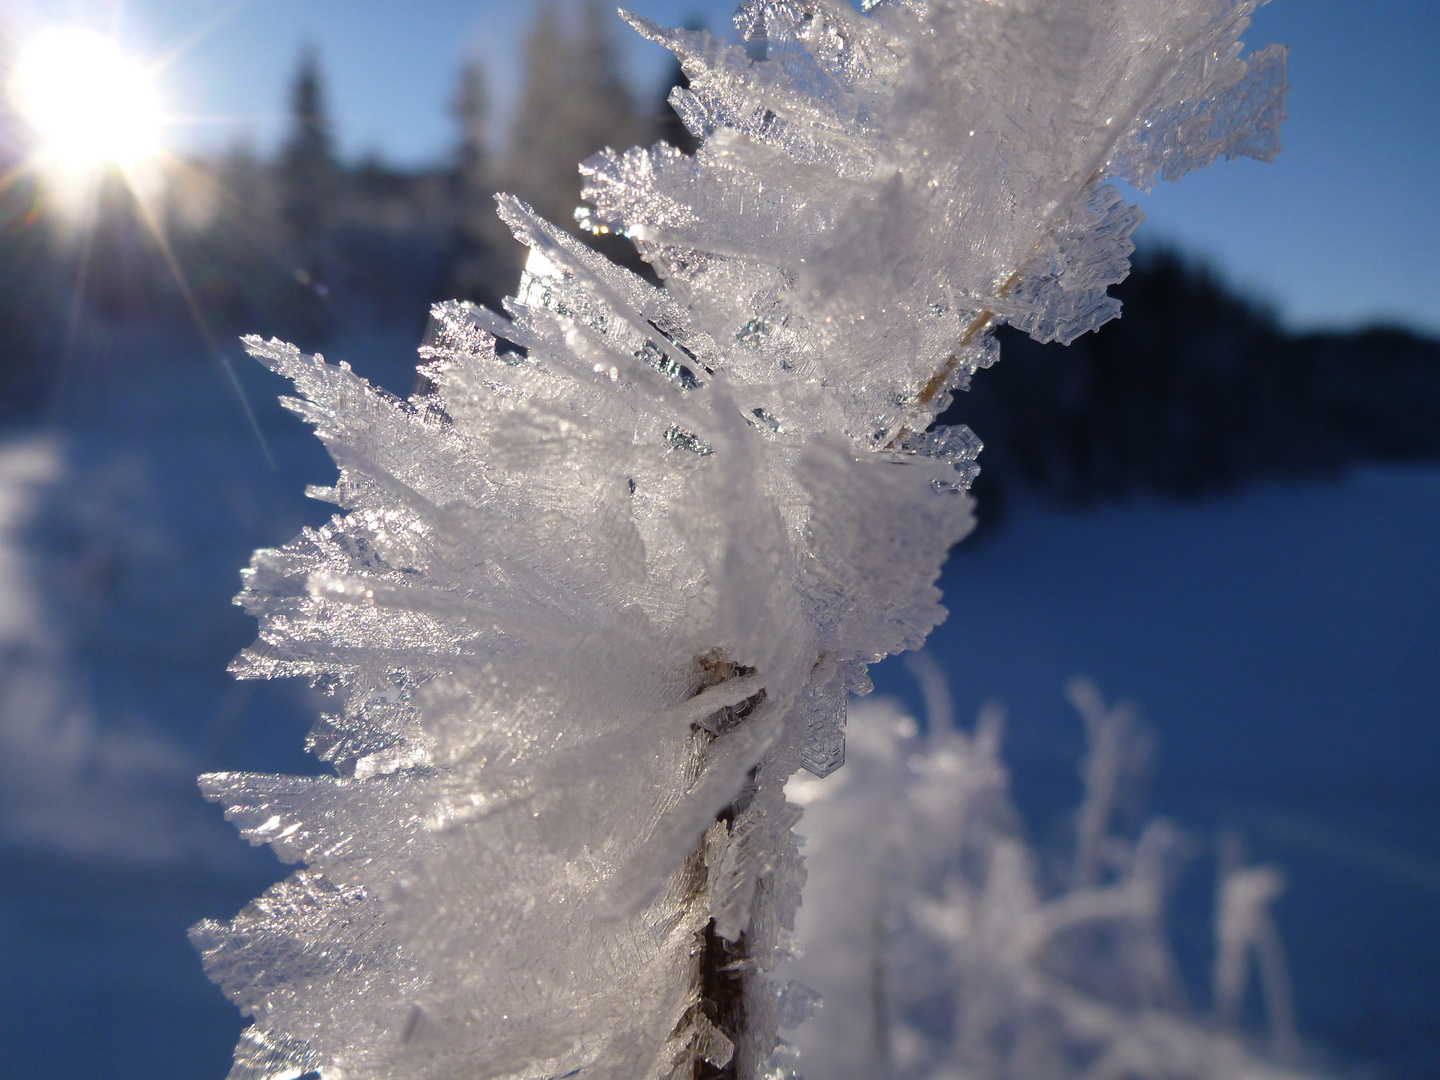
(483, 256)
(573, 102)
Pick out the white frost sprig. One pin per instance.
(597, 593)
(946, 947)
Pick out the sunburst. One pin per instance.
(93, 111)
(89, 103)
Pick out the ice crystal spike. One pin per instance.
(591, 598)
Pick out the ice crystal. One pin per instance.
(594, 596)
(945, 946)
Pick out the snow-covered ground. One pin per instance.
(1282, 642)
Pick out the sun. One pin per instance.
(90, 104)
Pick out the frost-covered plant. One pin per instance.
(596, 594)
(946, 947)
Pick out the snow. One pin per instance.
(71, 783)
(1281, 642)
(23, 467)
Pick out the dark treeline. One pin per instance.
(1194, 391)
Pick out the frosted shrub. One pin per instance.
(595, 595)
(946, 947)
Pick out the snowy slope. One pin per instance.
(1283, 644)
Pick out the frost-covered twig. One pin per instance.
(597, 594)
(984, 972)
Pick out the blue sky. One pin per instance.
(1340, 230)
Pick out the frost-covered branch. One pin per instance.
(596, 594)
(985, 972)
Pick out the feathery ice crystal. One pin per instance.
(596, 594)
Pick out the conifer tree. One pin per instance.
(310, 181)
(483, 263)
(472, 104)
(573, 103)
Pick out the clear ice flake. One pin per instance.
(588, 604)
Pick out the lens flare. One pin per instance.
(88, 102)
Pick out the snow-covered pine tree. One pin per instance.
(598, 594)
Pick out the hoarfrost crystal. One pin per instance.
(596, 594)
